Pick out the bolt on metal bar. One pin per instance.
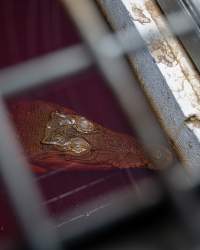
(22, 190)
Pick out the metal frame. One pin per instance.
(173, 102)
(107, 50)
(118, 73)
(41, 70)
(190, 13)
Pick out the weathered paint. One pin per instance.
(170, 57)
(166, 73)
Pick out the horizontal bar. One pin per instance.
(42, 69)
(118, 74)
(71, 60)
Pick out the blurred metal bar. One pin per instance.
(186, 201)
(162, 80)
(42, 69)
(157, 86)
(191, 12)
(120, 79)
(117, 72)
(22, 190)
(194, 7)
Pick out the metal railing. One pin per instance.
(107, 50)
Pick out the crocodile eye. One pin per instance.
(62, 119)
(78, 145)
(66, 121)
(83, 125)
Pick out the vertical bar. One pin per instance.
(93, 29)
(23, 193)
(190, 39)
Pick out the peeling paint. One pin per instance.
(138, 15)
(190, 77)
(163, 53)
(174, 93)
(151, 8)
(181, 79)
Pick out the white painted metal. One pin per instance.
(175, 92)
